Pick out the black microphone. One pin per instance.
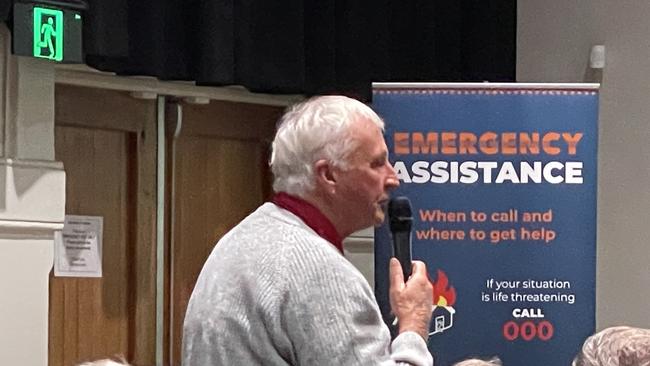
(400, 222)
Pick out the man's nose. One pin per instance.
(391, 181)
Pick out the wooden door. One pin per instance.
(219, 175)
(107, 143)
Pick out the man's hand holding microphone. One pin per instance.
(410, 292)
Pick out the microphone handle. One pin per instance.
(402, 251)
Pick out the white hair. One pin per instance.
(479, 362)
(616, 346)
(106, 362)
(318, 128)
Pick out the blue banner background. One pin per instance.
(478, 325)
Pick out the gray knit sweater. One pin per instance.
(273, 292)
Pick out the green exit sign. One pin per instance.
(48, 29)
(48, 33)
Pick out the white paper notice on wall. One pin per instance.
(78, 247)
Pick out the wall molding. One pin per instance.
(32, 197)
(82, 75)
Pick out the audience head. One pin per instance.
(105, 362)
(616, 346)
(479, 362)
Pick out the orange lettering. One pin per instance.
(572, 141)
(488, 143)
(467, 143)
(401, 143)
(528, 144)
(546, 143)
(449, 143)
(420, 146)
(508, 143)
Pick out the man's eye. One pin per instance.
(377, 163)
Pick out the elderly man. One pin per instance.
(277, 290)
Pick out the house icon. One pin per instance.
(442, 319)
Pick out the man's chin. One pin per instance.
(379, 219)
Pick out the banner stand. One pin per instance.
(502, 178)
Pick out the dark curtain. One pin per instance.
(303, 47)
(5, 10)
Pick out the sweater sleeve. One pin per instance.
(331, 317)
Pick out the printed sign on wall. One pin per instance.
(78, 247)
(502, 180)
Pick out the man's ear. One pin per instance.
(325, 177)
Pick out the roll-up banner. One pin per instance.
(502, 181)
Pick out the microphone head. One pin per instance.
(399, 214)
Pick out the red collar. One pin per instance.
(311, 216)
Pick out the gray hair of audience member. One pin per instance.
(105, 362)
(318, 128)
(616, 346)
(479, 362)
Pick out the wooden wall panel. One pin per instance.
(220, 176)
(110, 172)
(97, 183)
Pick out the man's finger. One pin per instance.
(419, 268)
(395, 274)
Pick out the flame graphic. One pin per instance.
(443, 294)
